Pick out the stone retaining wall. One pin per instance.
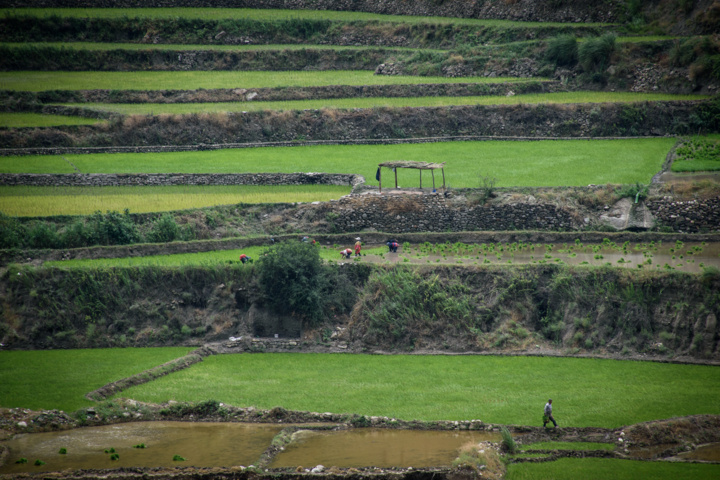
(691, 216)
(166, 179)
(436, 213)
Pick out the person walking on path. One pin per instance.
(358, 247)
(548, 417)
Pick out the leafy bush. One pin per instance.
(43, 235)
(165, 229)
(594, 53)
(12, 232)
(113, 228)
(289, 274)
(562, 50)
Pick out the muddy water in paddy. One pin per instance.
(709, 453)
(377, 447)
(683, 257)
(201, 444)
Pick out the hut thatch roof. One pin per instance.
(412, 164)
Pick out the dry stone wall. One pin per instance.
(436, 213)
(161, 179)
(690, 216)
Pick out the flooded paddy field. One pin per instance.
(678, 255)
(221, 444)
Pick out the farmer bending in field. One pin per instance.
(346, 253)
(548, 417)
(244, 258)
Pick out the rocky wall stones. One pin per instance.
(689, 216)
(160, 179)
(434, 213)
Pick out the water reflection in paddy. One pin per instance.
(201, 444)
(377, 447)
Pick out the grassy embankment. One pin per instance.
(393, 102)
(698, 154)
(587, 392)
(61, 378)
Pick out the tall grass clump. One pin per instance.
(562, 50)
(481, 458)
(594, 53)
(403, 306)
(508, 441)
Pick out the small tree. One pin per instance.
(290, 276)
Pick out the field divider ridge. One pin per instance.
(175, 365)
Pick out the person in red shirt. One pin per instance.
(358, 247)
(346, 253)
(244, 258)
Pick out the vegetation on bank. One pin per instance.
(59, 379)
(510, 390)
(25, 201)
(389, 102)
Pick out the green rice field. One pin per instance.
(266, 15)
(392, 102)
(34, 81)
(21, 120)
(60, 378)
(513, 163)
(44, 201)
(605, 468)
(510, 390)
(186, 47)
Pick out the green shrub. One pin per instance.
(562, 50)
(113, 228)
(165, 229)
(594, 53)
(43, 235)
(12, 232)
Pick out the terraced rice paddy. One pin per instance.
(44, 201)
(380, 102)
(35, 81)
(532, 163)
(23, 120)
(265, 15)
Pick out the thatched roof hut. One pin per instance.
(411, 164)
